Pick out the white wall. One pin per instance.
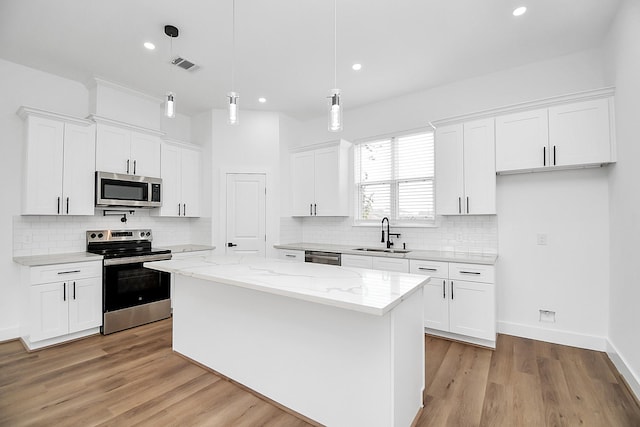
(523, 207)
(624, 191)
(252, 146)
(19, 86)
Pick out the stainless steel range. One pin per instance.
(132, 295)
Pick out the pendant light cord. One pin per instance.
(233, 45)
(335, 43)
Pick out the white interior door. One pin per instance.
(246, 219)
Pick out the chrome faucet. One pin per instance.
(389, 242)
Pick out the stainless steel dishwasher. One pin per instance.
(318, 257)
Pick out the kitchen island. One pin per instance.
(341, 346)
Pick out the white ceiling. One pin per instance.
(284, 48)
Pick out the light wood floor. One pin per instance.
(133, 378)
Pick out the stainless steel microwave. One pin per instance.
(115, 189)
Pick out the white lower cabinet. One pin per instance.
(376, 263)
(65, 302)
(359, 261)
(291, 255)
(459, 300)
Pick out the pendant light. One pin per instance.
(233, 95)
(335, 105)
(169, 102)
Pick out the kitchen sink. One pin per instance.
(386, 251)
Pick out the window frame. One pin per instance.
(393, 182)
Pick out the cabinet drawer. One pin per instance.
(429, 268)
(361, 261)
(291, 255)
(472, 272)
(63, 272)
(390, 264)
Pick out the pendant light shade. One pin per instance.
(169, 106)
(335, 111)
(233, 107)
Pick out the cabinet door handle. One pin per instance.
(74, 290)
(444, 289)
(67, 206)
(459, 205)
(310, 208)
(544, 156)
(134, 167)
(69, 272)
(470, 272)
(452, 289)
(315, 209)
(427, 269)
(178, 209)
(58, 204)
(467, 204)
(127, 165)
(290, 256)
(64, 291)
(554, 155)
(184, 209)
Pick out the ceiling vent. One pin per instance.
(185, 64)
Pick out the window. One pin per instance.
(394, 178)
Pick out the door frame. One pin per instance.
(272, 227)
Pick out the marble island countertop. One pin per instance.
(427, 255)
(367, 291)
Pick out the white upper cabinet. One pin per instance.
(465, 168)
(579, 133)
(522, 140)
(59, 164)
(319, 180)
(180, 180)
(120, 149)
(563, 135)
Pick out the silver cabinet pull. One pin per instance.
(127, 165)
(470, 272)
(69, 272)
(427, 269)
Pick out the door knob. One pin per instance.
(230, 245)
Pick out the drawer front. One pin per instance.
(360, 261)
(291, 255)
(63, 272)
(472, 272)
(429, 268)
(391, 264)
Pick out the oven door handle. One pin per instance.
(136, 259)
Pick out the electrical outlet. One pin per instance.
(542, 239)
(459, 237)
(547, 316)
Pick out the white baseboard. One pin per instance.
(573, 339)
(463, 338)
(623, 367)
(11, 333)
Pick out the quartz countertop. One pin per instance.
(428, 255)
(63, 258)
(367, 291)
(177, 249)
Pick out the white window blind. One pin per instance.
(394, 178)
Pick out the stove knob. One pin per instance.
(93, 235)
(100, 235)
(142, 234)
(148, 233)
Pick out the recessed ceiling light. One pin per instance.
(149, 45)
(519, 11)
(262, 100)
(356, 67)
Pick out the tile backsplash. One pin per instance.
(470, 233)
(41, 235)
